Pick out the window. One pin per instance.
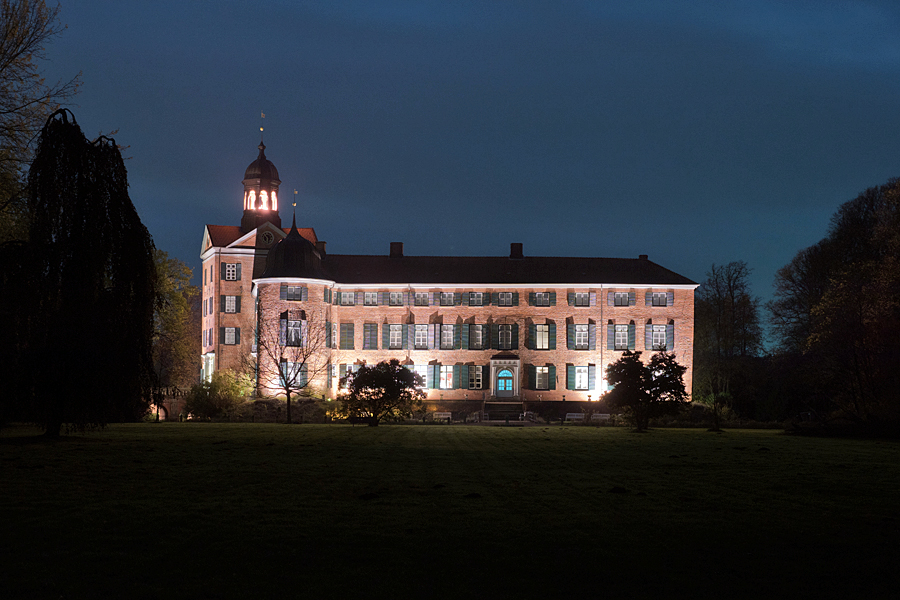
(446, 298)
(541, 337)
(621, 299)
(347, 298)
(210, 309)
(346, 342)
(370, 299)
(476, 337)
(621, 337)
(231, 335)
(421, 339)
(294, 333)
(293, 375)
(203, 303)
(581, 378)
(542, 378)
(422, 371)
(446, 337)
(475, 377)
(396, 299)
(659, 337)
(505, 299)
(396, 337)
(542, 298)
(582, 299)
(334, 335)
(581, 337)
(370, 336)
(232, 271)
(505, 340)
(293, 292)
(421, 298)
(230, 304)
(476, 299)
(446, 382)
(659, 299)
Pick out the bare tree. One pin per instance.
(290, 353)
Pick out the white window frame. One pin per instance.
(420, 339)
(659, 299)
(505, 337)
(542, 337)
(230, 271)
(658, 337)
(621, 337)
(447, 299)
(620, 299)
(295, 330)
(395, 337)
(582, 299)
(581, 378)
(422, 371)
(581, 337)
(294, 292)
(230, 335)
(230, 304)
(542, 298)
(348, 298)
(446, 382)
(446, 337)
(476, 377)
(370, 298)
(476, 298)
(421, 299)
(396, 299)
(542, 378)
(505, 299)
(476, 340)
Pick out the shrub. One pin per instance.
(224, 395)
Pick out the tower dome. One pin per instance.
(294, 256)
(260, 193)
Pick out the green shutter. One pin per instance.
(222, 269)
(221, 303)
(632, 334)
(515, 300)
(570, 336)
(464, 298)
(495, 298)
(610, 336)
(457, 336)
(282, 293)
(456, 377)
(238, 274)
(328, 334)
(221, 335)
(571, 298)
(237, 336)
(529, 341)
(457, 298)
(486, 377)
(592, 377)
(515, 337)
(532, 376)
(463, 376)
(610, 298)
(304, 293)
(432, 335)
(648, 335)
(282, 334)
(670, 337)
(495, 336)
(648, 298)
(631, 299)
(570, 377)
(552, 335)
(237, 304)
(592, 336)
(670, 298)
(386, 336)
(551, 370)
(404, 337)
(552, 298)
(592, 298)
(530, 298)
(464, 336)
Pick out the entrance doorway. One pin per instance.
(505, 384)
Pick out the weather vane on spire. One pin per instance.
(262, 116)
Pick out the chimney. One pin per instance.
(642, 257)
(320, 246)
(396, 249)
(515, 250)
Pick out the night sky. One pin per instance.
(694, 132)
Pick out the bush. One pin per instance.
(223, 396)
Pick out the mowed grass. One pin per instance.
(259, 511)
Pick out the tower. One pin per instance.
(260, 193)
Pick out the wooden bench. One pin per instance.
(442, 416)
(600, 417)
(575, 417)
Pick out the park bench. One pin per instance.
(575, 417)
(600, 417)
(442, 416)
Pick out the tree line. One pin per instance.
(834, 327)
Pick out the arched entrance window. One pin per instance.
(505, 383)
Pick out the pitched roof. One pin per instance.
(363, 269)
(223, 235)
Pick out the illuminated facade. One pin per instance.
(480, 330)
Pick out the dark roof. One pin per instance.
(294, 256)
(261, 168)
(473, 270)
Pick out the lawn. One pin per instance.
(243, 511)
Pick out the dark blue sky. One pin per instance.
(695, 132)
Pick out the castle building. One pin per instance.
(483, 331)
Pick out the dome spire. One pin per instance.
(260, 192)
